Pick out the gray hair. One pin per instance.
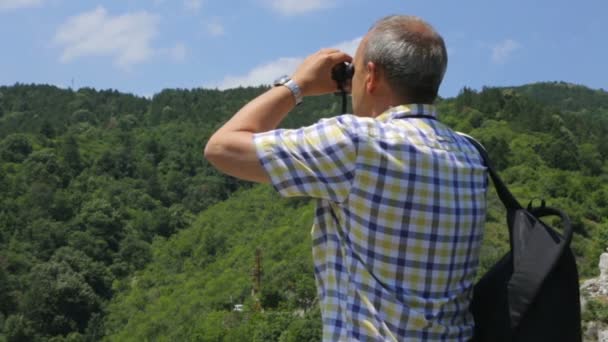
(412, 55)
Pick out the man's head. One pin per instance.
(402, 59)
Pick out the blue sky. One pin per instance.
(143, 47)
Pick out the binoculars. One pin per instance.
(342, 73)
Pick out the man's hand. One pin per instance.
(314, 74)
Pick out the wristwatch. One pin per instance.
(292, 86)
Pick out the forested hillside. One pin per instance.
(113, 226)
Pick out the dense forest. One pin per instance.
(114, 227)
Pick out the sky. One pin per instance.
(143, 47)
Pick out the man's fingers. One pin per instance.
(340, 57)
(335, 56)
(327, 51)
(314, 74)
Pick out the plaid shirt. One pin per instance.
(399, 221)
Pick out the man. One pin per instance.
(401, 197)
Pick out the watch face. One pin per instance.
(281, 80)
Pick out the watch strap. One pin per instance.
(295, 89)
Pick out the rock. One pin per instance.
(591, 331)
(604, 267)
(595, 331)
(596, 288)
(602, 335)
(583, 301)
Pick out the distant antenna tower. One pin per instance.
(256, 275)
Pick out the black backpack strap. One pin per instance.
(503, 192)
(509, 201)
(543, 211)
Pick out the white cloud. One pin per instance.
(14, 4)
(193, 5)
(267, 73)
(264, 74)
(126, 38)
(295, 7)
(178, 52)
(350, 46)
(215, 29)
(504, 50)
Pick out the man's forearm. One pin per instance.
(264, 113)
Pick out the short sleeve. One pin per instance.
(316, 161)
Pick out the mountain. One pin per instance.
(113, 226)
(566, 96)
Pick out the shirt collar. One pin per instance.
(407, 110)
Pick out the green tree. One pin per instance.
(7, 302)
(47, 129)
(466, 98)
(94, 247)
(270, 326)
(70, 155)
(306, 329)
(561, 154)
(590, 159)
(95, 273)
(134, 252)
(59, 300)
(99, 218)
(45, 236)
(15, 148)
(17, 328)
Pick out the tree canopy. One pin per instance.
(113, 226)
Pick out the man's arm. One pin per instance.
(231, 149)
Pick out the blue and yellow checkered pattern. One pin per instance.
(399, 221)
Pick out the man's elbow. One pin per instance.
(212, 151)
(219, 154)
(234, 155)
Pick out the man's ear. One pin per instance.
(371, 79)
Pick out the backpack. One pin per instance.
(532, 292)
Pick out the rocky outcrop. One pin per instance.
(596, 289)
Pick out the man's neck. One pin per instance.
(383, 103)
